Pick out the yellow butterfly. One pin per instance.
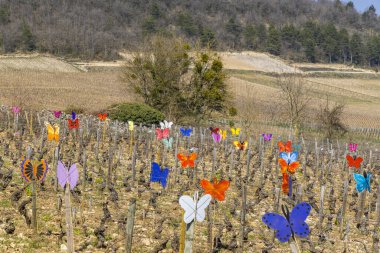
(52, 131)
(130, 125)
(235, 131)
(223, 133)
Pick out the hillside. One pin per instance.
(301, 30)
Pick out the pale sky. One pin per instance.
(362, 5)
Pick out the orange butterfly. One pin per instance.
(285, 183)
(285, 167)
(187, 161)
(102, 117)
(215, 189)
(354, 161)
(241, 145)
(34, 170)
(285, 148)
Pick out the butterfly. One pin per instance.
(353, 147)
(65, 175)
(235, 131)
(287, 147)
(35, 170)
(162, 134)
(16, 109)
(354, 161)
(363, 182)
(157, 175)
(223, 133)
(186, 132)
(215, 189)
(102, 117)
(293, 223)
(214, 130)
(52, 131)
(130, 125)
(187, 161)
(217, 137)
(168, 142)
(296, 147)
(267, 137)
(74, 121)
(57, 114)
(194, 207)
(166, 124)
(289, 157)
(288, 167)
(241, 145)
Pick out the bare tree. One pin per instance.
(296, 95)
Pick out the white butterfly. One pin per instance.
(194, 208)
(166, 124)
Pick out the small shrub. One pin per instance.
(138, 113)
(74, 108)
(232, 111)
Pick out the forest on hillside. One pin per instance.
(300, 30)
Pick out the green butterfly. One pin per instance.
(168, 142)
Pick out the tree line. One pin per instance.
(306, 30)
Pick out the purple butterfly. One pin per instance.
(70, 176)
(353, 147)
(57, 114)
(267, 137)
(73, 115)
(16, 109)
(216, 136)
(293, 223)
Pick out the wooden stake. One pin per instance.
(69, 221)
(130, 224)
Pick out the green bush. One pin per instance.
(138, 113)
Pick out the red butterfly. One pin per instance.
(215, 189)
(102, 117)
(162, 133)
(214, 130)
(73, 124)
(354, 161)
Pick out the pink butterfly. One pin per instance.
(16, 109)
(267, 137)
(57, 114)
(353, 147)
(70, 176)
(162, 133)
(216, 136)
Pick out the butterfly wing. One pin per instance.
(361, 183)
(279, 224)
(130, 125)
(155, 173)
(62, 174)
(288, 146)
(357, 162)
(191, 159)
(368, 180)
(56, 132)
(165, 133)
(283, 164)
(41, 170)
(183, 159)
(159, 134)
(201, 207)
(350, 160)
(183, 131)
(216, 136)
(73, 176)
(162, 125)
(220, 189)
(298, 217)
(164, 177)
(188, 205)
(27, 170)
(292, 167)
(50, 131)
(168, 124)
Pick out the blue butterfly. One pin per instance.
(73, 115)
(157, 175)
(289, 157)
(293, 223)
(363, 182)
(186, 132)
